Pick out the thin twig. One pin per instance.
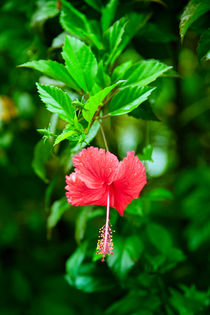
(104, 137)
(111, 96)
(104, 117)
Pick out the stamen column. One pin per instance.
(105, 244)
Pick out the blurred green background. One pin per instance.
(168, 229)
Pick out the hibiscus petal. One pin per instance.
(129, 182)
(96, 166)
(78, 194)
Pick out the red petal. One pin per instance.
(98, 172)
(94, 171)
(96, 167)
(129, 182)
(78, 194)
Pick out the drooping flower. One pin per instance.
(100, 179)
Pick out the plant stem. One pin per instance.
(104, 117)
(104, 137)
(53, 124)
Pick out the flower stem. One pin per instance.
(104, 137)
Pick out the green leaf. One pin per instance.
(88, 138)
(108, 14)
(75, 22)
(125, 254)
(95, 101)
(74, 262)
(159, 237)
(42, 153)
(81, 223)
(122, 31)
(120, 70)
(156, 261)
(48, 193)
(189, 300)
(103, 79)
(57, 210)
(193, 10)
(174, 256)
(6, 138)
(80, 62)
(144, 72)
(204, 45)
(207, 56)
(167, 256)
(117, 37)
(127, 99)
(113, 38)
(58, 41)
(86, 277)
(95, 4)
(65, 135)
(135, 22)
(147, 153)
(157, 33)
(54, 70)
(91, 133)
(159, 194)
(136, 302)
(78, 146)
(96, 213)
(57, 101)
(72, 20)
(135, 207)
(96, 257)
(44, 11)
(144, 112)
(157, 1)
(72, 61)
(90, 279)
(46, 132)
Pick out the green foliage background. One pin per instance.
(139, 69)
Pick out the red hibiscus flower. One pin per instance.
(100, 179)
